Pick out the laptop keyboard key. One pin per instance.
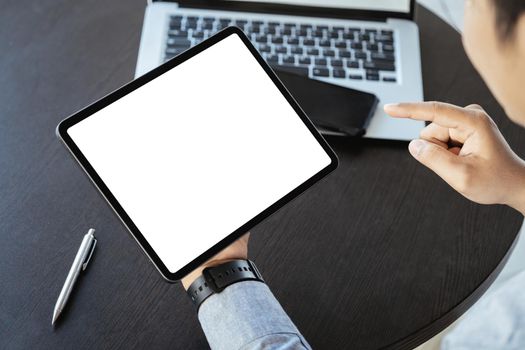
(372, 47)
(348, 36)
(381, 56)
(364, 37)
(329, 53)
(292, 69)
(178, 42)
(309, 42)
(312, 52)
(333, 35)
(388, 66)
(191, 25)
(272, 59)
(176, 20)
(317, 33)
(207, 26)
(254, 29)
(296, 50)
(321, 61)
(265, 48)
(370, 75)
(301, 32)
(356, 76)
(177, 34)
(353, 64)
(172, 51)
(198, 34)
(385, 39)
(324, 43)
(176, 25)
(344, 54)
(388, 48)
(305, 60)
(336, 63)
(289, 59)
(321, 72)
(293, 41)
(339, 73)
(360, 54)
(261, 39)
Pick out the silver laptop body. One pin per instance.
(362, 44)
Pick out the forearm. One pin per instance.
(246, 315)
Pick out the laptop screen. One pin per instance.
(376, 5)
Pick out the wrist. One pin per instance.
(214, 280)
(237, 250)
(518, 194)
(192, 276)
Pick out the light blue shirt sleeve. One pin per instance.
(247, 316)
(497, 321)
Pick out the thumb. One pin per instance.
(441, 161)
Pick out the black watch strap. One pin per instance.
(215, 279)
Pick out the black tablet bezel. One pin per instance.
(62, 133)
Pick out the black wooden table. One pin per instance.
(381, 254)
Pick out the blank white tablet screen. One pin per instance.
(199, 151)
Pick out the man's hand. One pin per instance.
(466, 149)
(237, 250)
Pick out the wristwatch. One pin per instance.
(215, 279)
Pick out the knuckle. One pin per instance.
(474, 106)
(485, 119)
(435, 106)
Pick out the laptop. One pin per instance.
(367, 45)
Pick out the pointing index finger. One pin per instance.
(443, 114)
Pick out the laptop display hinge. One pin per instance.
(290, 10)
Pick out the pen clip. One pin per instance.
(86, 262)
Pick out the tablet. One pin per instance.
(196, 152)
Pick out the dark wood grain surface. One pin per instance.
(381, 254)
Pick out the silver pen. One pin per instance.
(79, 264)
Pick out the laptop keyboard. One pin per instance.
(311, 50)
